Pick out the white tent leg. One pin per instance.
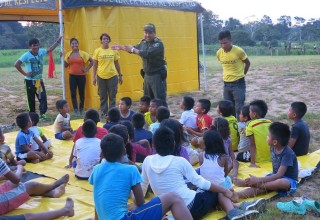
(203, 55)
(62, 51)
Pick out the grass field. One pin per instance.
(277, 80)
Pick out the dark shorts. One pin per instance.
(203, 203)
(150, 210)
(14, 217)
(293, 186)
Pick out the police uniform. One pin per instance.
(154, 69)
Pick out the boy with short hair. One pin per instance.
(300, 134)
(124, 106)
(86, 151)
(23, 143)
(144, 104)
(162, 113)
(139, 132)
(113, 118)
(111, 202)
(284, 176)
(165, 173)
(61, 126)
(243, 154)
(150, 116)
(203, 121)
(257, 131)
(225, 108)
(188, 116)
(38, 132)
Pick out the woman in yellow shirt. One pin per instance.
(79, 62)
(106, 73)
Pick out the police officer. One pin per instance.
(154, 71)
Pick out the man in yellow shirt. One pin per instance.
(235, 65)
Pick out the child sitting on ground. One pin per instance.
(225, 108)
(203, 121)
(111, 202)
(86, 151)
(150, 116)
(161, 114)
(257, 131)
(139, 132)
(124, 106)
(300, 135)
(23, 143)
(113, 118)
(244, 143)
(221, 125)
(284, 176)
(144, 104)
(61, 126)
(188, 116)
(6, 154)
(38, 132)
(214, 160)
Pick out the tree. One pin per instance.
(11, 35)
(212, 25)
(47, 33)
(242, 38)
(233, 24)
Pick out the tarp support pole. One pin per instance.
(62, 50)
(203, 55)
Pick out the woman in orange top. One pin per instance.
(79, 62)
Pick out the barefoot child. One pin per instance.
(61, 126)
(38, 132)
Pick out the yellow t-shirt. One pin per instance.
(233, 125)
(106, 57)
(232, 65)
(259, 129)
(147, 118)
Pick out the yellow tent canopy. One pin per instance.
(123, 20)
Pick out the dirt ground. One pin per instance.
(278, 83)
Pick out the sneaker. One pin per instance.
(293, 207)
(259, 205)
(311, 205)
(235, 213)
(43, 117)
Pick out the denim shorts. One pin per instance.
(293, 186)
(59, 136)
(150, 210)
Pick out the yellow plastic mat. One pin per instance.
(81, 191)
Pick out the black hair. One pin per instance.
(162, 113)
(145, 99)
(112, 147)
(106, 35)
(245, 110)
(163, 141)
(188, 102)
(224, 35)
(60, 103)
(130, 128)
(127, 100)
(176, 127)
(93, 115)
(259, 107)
(33, 41)
(158, 102)
(34, 118)
(221, 125)
(205, 104)
(114, 114)
(74, 39)
(280, 132)
(214, 145)
(300, 108)
(22, 120)
(122, 131)
(226, 108)
(138, 120)
(89, 128)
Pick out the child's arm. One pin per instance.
(26, 147)
(96, 214)
(194, 131)
(231, 153)
(253, 152)
(253, 180)
(42, 136)
(40, 144)
(201, 158)
(70, 158)
(15, 177)
(292, 142)
(138, 194)
(223, 162)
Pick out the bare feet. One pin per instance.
(35, 161)
(57, 192)
(235, 197)
(62, 180)
(239, 182)
(69, 207)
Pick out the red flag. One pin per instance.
(51, 66)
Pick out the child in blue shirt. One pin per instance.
(112, 183)
(124, 106)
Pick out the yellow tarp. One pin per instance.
(81, 191)
(125, 26)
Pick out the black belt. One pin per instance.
(237, 81)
